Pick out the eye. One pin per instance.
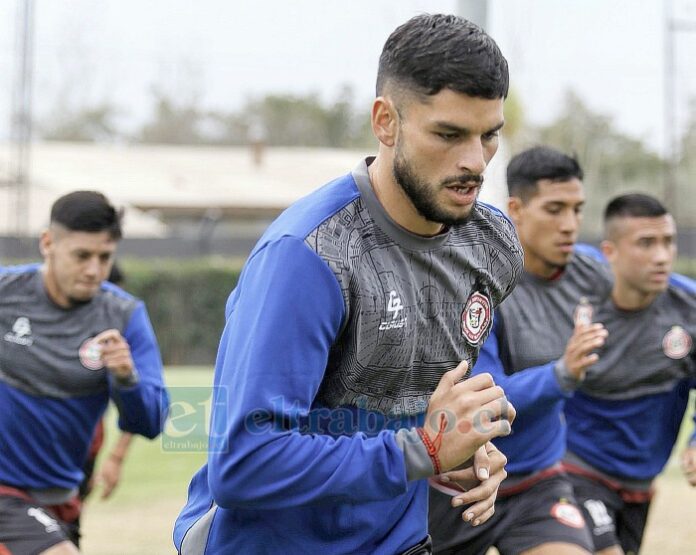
(448, 136)
(554, 210)
(490, 136)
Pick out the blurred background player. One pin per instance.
(535, 352)
(70, 342)
(351, 329)
(624, 419)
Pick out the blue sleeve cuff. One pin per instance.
(566, 382)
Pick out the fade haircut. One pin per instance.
(540, 162)
(88, 211)
(429, 53)
(632, 205)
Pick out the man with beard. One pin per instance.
(340, 376)
(536, 353)
(624, 419)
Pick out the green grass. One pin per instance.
(152, 471)
(151, 492)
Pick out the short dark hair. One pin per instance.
(536, 163)
(431, 52)
(634, 205)
(88, 211)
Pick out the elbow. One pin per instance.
(229, 486)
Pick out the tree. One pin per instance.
(613, 162)
(91, 124)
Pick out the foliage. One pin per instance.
(91, 124)
(613, 163)
(186, 302)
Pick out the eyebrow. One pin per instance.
(564, 203)
(464, 130)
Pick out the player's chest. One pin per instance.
(51, 351)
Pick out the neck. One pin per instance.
(628, 298)
(396, 203)
(52, 289)
(539, 268)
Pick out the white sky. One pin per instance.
(220, 51)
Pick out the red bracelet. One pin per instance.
(433, 447)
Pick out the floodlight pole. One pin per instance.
(22, 115)
(671, 131)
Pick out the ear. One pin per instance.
(515, 206)
(608, 250)
(385, 121)
(45, 242)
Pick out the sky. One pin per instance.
(221, 52)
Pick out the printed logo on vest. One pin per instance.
(90, 355)
(395, 307)
(676, 343)
(475, 317)
(21, 332)
(568, 514)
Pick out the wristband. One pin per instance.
(433, 446)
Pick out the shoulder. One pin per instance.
(16, 276)
(304, 216)
(118, 299)
(683, 284)
(496, 227)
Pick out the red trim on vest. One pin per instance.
(627, 495)
(67, 512)
(529, 482)
(14, 492)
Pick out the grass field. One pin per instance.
(138, 519)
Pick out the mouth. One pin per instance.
(565, 247)
(659, 275)
(463, 193)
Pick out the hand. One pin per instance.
(109, 475)
(463, 415)
(479, 483)
(578, 354)
(688, 464)
(115, 353)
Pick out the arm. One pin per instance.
(533, 389)
(282, 322)
(139, 394)
(110, 472)
(287, 311)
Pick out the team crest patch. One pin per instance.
(676, 343)
(475, 317)
(568, 514)
(90, 355)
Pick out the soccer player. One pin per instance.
(341, 368)
(624, 419)
(69, 342)
(536, 353)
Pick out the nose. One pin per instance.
(472, 157)
(569, 222)
(662, 254)
(92, 267)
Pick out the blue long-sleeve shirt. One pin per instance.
(338, 331)
(53, 392)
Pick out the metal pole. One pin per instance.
(22, 116)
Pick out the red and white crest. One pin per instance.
(476, 317)
(90, 355)
(568, 514)
(676, 343)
